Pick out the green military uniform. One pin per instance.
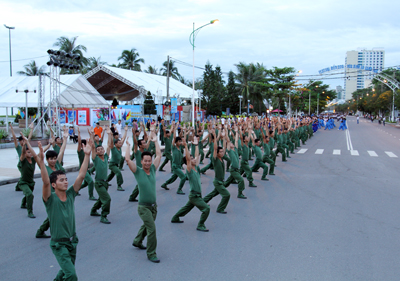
(57, 148)
(96, 144)
(235, 172)
(101, 186)
(281, 147)
(272, 146)
(63, 233)
(147, 210)
(177, 170)
(27, 184)
(244, 165)
(88, 181)
(19, 151)
(259, 163)
(211, 164)
(195, 199)
(151, 148)
(116, 155)
(267, 159)
(167, 152)
(46, 224)
(219, 168)
(135, 192)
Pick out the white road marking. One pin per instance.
(391, 154)
(301, 151)
(354, 152)
(336, 152)
(319, 151)
(372, 153)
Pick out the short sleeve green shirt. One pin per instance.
(168, 144)
(176, 157)
(27, 170)
(19, 150)
(245, 154)
(61, 215)
(146, 184)
(101, 167)
(138, 158)
(258, 152)
(219, 168)
(233, 155)
(116, 154)
(194, 180)
(56, 148)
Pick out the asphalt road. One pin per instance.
(327, 216)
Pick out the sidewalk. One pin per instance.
(8, 167)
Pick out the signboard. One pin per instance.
(71, 116)
(348, 66)
(62, 117)
(81, 117)
(174, 105)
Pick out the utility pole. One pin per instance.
(167, 78)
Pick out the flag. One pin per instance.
(22, 114)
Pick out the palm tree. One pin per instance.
(173, 70)
(92, 63)
(130, 60)
(152, 70)
(69, 46)
(31, 69)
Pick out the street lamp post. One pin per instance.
(192, 37)
(9, 41)
(240, 105)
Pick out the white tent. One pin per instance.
(75, 91)
(110, 81)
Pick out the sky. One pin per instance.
(306, 35)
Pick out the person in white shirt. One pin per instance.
(119, 128)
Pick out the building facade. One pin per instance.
(359, 79)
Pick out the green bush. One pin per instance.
(3, 134)
(2, 122)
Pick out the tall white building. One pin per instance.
(359, 78)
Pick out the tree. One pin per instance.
(152, 70)
(149, 105)
(213, 90)
(173, 70)
(231, 99)
(69, 46)
(31, 69)
(130, 60)
(92, 63)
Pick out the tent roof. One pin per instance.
(125, 85)
(75, 91)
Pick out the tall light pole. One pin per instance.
(9, 40)
(240, 107)
(192, 37)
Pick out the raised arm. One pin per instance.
(102, 133)
(131, 164)
(13, 135)
(157, 160)
(110, 142)
(87, 149)
(91, 135)
(79, 141)
(216, 139)
(27, 144)
(46, 190)
(62, 149)
(124, 136)
(187, 156)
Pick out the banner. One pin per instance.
(81, 117)
(174, 105)
(72, 116)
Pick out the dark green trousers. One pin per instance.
(195, 200)
(235, 175)
(267, 159)
(148, 215)
(208, 153)
(45, 225)
(115, 171)
(219, 189)
(201, 152)
(228, 162)
(260, 164)
(88, 181)
(177, 173)
(65, 253)
(134, 194)
(104, 200)
(281, 149)
(27, 188)
(168, 157)
(121, 163)
(245, 168)
(291, 146)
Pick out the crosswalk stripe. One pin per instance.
(319, 151)
(372, 153)
(336, 152)
(354, 152)
(301, 151)
(391, 154)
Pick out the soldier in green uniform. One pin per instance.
(235, 169)
(195, 199)
(18, 145)
(244, 163)
(168, 146)
(54, 164)
(100, 161)
(26, 166)
(219, 169)
(176, 165)
(211, 136)
(116, 155)
(280, 145)
(88, 181)
(97, 142)
(136, 134)
(259, 159)
(137, 150)
(147, 207)
(267, 152)
(61, 213)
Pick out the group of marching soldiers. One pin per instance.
(231, 146)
